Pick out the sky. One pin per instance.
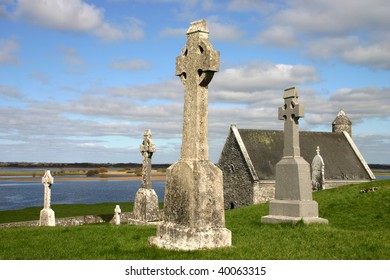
(81, 80)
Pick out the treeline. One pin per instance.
(379, 166)
(80, 165)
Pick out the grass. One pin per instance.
(358, 228)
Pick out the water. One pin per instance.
(19, 194)
(382, 177)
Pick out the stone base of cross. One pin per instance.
(293, 194)
(47, 217)
(193, 208)
(145, 209)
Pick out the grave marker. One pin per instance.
(193, 205)
(47, 215)
(146, 201)
(293, 194)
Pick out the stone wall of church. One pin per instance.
(263, 191)
(237, 180)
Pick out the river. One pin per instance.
(21, 194)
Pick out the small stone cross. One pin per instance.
(147, 148)
(47, 181)
(196, 66)
(290, 113)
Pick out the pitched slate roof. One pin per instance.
(342, 159)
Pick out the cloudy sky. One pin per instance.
(80, 80)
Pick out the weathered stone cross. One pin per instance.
(47, 215)
(194, 217)
(47, 181)
(196, 66)
(290, 113)
(147, 148)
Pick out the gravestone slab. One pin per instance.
(318, 172)
(194, 215)
(47, 215)
(293, 194)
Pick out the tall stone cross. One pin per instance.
(293, 195)
(194, 216)
(145, 208)
(196, 66)
(147, 148)
(290, 113)
(47, 181)
(47, 215)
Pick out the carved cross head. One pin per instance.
(47, 179)
(291, 110)
(198, 61)
(147, 145)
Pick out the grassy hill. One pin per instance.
(359, 228)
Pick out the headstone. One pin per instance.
(117, 215)
(318, 172)
(47, 215)
(146, 201)
(194, 215)
(293, 194)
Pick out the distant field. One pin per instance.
(358, 228)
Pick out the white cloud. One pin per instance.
(10, 92)
(173, 32)
(260, 6)
(71, 56)
(224, 31)
(69, 15)
(377, 55)
(363, 103)
(8, 47)
(333, 16)
(354, 31)
(75, 16)
(264, 76)
(130, 65)
(281, 36)
(41, 77)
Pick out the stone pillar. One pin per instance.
(293, 194)
(117, 215)
(146, 201)
(194, 215)
(47, 215)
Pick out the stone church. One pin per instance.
(249, 157)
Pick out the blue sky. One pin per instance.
(81, 80)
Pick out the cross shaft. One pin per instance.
(196, 66)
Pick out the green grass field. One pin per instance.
(359, 228)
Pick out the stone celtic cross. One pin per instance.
(290, 113)
(147, 148)
(196, 66)
(47, 181)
